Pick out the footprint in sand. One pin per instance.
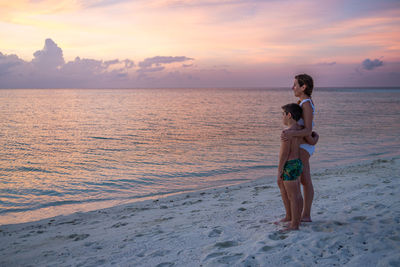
(165, 264)
(322, 228)
(277, 236)
(380, 207)
(163, 219)
(359, 218)
(266, 248)
(386, 221)
(214, 255)
(226, 244)
(160, 253)
(339, 223)
(119, 224)
(230, 259)
(250, 261)
(73, 222)
(191, 202)
(215, 232)
(77, 237)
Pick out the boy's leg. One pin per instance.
(293, 192)
(308, 188)
(286, 202)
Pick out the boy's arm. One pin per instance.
(283, 156)
(312, 139)
(307, 130)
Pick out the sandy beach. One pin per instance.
(356, 222)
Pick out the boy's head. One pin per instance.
(292, 111)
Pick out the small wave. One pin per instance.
(26, 169)
(25, 192)
(52, 204)
(30, 169)
(377, 154)
(113, 149)
(85, 201)
(104, 138)
(121, 183)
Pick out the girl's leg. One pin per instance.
(308, 188)
(286, 202)
(294, 195)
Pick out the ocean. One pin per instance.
(64, 151)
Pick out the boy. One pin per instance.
(290, 168)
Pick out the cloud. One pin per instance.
(371, 64)
(327, 63)
(154, 64)
(48, 69)
(100, 3)
(8, 63)
(148, 62)
(50, 57)
(154, 69)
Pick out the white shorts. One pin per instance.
(309, 148)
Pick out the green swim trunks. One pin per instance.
(292, 170)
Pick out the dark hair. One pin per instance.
(294, 109)
(304, 79)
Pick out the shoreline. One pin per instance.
(355, 222)
(140, 200)
(109, 204)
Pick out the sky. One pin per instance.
(198, 43)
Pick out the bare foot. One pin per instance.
(288, 229)
(291, 228)
(283, 220)
(306, 219)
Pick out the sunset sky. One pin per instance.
(198, 43)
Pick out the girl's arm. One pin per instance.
(307, 130)
(283, 156)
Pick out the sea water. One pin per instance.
(79, 149)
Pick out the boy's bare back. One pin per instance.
(294, 146)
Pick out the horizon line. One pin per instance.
(208, 87)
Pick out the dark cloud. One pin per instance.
(154, 69)
(371, 64)
(8, 63)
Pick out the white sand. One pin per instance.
(356, 217)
